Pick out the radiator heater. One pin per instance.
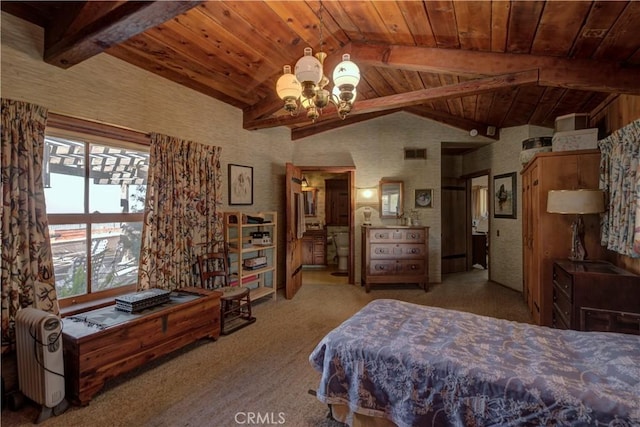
(40, 362)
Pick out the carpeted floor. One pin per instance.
(263, 370)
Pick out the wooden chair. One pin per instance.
(235, 303)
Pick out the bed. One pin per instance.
(399, 363)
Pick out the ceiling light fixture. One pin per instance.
(309, 82)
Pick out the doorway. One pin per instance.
(479, 187)
(334, 214)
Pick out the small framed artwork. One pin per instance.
(240, 185)
(424, 198)
(505, 196)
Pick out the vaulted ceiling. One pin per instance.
(469, 64)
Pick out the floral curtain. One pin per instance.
(27, 264)
(182, 218)
(620, 179)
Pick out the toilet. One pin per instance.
(341, 243)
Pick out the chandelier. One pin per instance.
(308, 85)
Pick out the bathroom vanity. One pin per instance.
(314, 244)
(395, 255)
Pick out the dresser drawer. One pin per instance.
(562, 303)
(592, 319)
(397, 267)
(563, 281)
(557, 321)
(402, 235)
(411, 267)
(398, 250)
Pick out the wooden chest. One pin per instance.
(95, 353)
(395, 255)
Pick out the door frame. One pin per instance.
(350, 171)
(469, 177)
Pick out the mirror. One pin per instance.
(391, 199)
(310, 202)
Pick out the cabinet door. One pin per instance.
(307, 250)
(337, 202)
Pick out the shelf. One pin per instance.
(258, 293)
(262, 281)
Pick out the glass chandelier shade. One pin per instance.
(346, 75)
(308, 68)
(289, 89)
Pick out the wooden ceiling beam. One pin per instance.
(65, 48)
(334, 123)
(579, 74)
(455, 121)
(408, 99)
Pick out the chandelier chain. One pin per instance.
(321, 24)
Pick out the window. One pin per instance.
(95, 189)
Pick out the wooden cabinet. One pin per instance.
(547, 236)
(337, 202)
(314, 244)
(252, 240)
(104, 343)
(595, 296)
(395, 255)
(479, 250)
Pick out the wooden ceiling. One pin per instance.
(469, 64)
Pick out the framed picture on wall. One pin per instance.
(240, 185)
(504, 196)
(424, 198)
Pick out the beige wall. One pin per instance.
(505, 238)
(106, 89)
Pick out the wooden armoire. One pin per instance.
(547, 236)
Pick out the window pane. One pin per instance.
(116, 174)
(64, 170)
(69, 249)
(115, 249)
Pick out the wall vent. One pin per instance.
(415, 153)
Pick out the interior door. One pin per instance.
(454, 225)
(295, 217)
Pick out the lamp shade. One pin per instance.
(308, 68)
(288, 86)
(346, 73)
(575, 201)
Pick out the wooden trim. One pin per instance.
(74, 124)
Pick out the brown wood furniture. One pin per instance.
(547, 236)
(395, 255)
(314, 247)
(235, 301)
(595, 296)
(479, 250)
(336, 202)
(93, 355)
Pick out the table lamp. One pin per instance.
(577, 202)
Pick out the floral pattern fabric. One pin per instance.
(27, 263)
(426, 366)
(620, 179)
(182, 218)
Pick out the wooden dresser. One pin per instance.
(104, 343)
(395, 255)
(595, 296)
(314, 245)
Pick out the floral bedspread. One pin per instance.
(424, 366)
